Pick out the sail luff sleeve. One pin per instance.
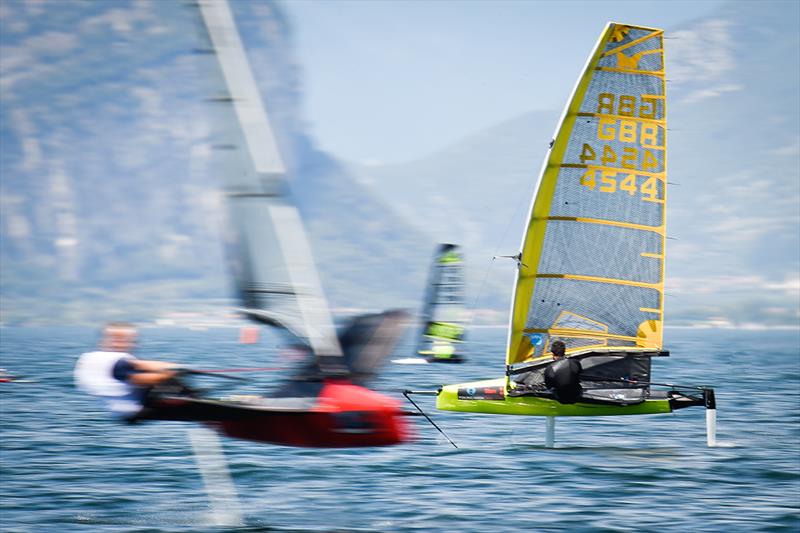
(531, 249)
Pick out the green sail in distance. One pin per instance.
(442, 315)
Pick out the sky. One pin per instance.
(439, 61)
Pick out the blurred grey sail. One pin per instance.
(270, 255)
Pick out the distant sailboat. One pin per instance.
(591, 269)
(442, 316)
(9, 377)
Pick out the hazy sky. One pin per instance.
(390, 81)
(92, 90)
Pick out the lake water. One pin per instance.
(65, 466)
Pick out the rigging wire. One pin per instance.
(494, 256)
(406, 394)
(245, 369)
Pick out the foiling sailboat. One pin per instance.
(325, 404)
(591, 267)
(442, 317)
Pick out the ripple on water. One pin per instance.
(64, 464)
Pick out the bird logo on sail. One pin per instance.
(628, 62)
(619, 33)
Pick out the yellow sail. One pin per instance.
(591, 269)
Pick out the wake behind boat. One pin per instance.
(591, 267)
(410, 361)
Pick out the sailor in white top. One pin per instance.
(116, 376)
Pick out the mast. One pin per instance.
(271, 258)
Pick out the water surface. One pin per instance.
(65, 466)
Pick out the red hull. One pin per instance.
(345, 415)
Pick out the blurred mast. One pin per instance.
(269, 251)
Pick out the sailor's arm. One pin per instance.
(148, 373)
(154, 366)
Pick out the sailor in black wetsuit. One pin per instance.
(563, 375)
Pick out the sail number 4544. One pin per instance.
(611, 181)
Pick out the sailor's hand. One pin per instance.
(182, 371)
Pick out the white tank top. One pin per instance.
(94, 373)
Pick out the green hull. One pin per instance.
(448, 400)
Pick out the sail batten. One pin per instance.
(595, 279)
(592, 261)
(584, 220)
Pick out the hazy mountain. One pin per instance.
(734, 153)
(475, 193)
(734, 206)
(368, 256)
(109, 206)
